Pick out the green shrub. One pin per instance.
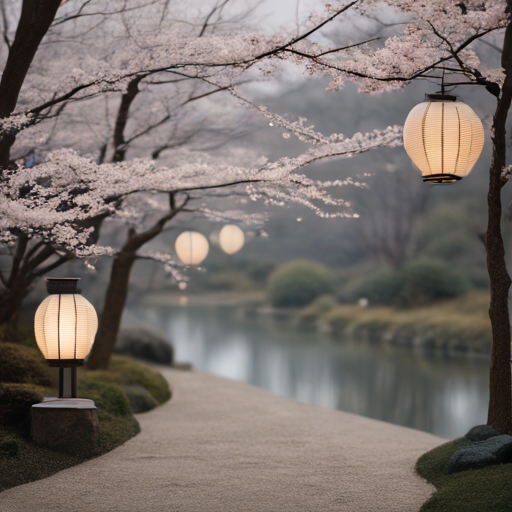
(429, 280)
(308, 316)
(298, 283)
(132, 372)
(140, 399)
(379, 286)
(8, 447)
(19, 364)
(325, 303)
(228, 280)
(451, 245)
(260, 269)
(108, 398)
(16, 401)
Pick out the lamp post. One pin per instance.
(65, 326)
(444, 138)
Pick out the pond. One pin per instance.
(435, 393)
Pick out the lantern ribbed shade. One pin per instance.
(65, 326)
(443, 137)
(231, 239)
(191, 247)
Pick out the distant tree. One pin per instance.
(390, 209)
(439, 37)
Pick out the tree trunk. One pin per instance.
(112, 311)
(35, 20)
(117, 291)
(10, 305)
(122, 119)
(500, 382)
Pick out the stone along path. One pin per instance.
(224, 446)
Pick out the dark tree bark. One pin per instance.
(500, 383)
(117, 291)
(36, 18)
(122, 119)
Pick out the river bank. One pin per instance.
(457, 326)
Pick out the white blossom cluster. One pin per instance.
(438, 34)
(53, 199)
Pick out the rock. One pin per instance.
(67, 425)
(481, 433)
(140, 398)
(492, 451)
(145, 344)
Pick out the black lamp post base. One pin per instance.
(67, 382)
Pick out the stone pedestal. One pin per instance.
(69, 425)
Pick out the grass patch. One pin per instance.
(26, 461)
(22, 461)
(22, 364)
(483, 490)
(459, 324)
(125, 371)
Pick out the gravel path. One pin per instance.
(224, 446)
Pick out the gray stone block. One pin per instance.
(493, 451)
(66, 425)
(481, 433)
(145, 344)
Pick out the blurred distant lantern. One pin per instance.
(191, 247)
(65, 326)
(444, 138)
(231, 239)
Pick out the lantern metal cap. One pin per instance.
(440, 97)
(62, 285)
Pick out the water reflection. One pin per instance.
(437, 394)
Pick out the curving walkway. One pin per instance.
(224, 446)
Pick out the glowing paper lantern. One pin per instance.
(444, 138)
(191, 247)
(231, 239)
(65, 324)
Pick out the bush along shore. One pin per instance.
(458, 325)
(127, 387)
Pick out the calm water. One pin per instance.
(435, 393)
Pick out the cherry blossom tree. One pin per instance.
(439, 37)
(56, 201)
(52, 202)
(111, 51)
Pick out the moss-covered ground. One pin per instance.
(480, 490)
(127, 387)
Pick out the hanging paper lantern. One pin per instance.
(191, 247)
(444, 138)
(65, 324)
(231, 239)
